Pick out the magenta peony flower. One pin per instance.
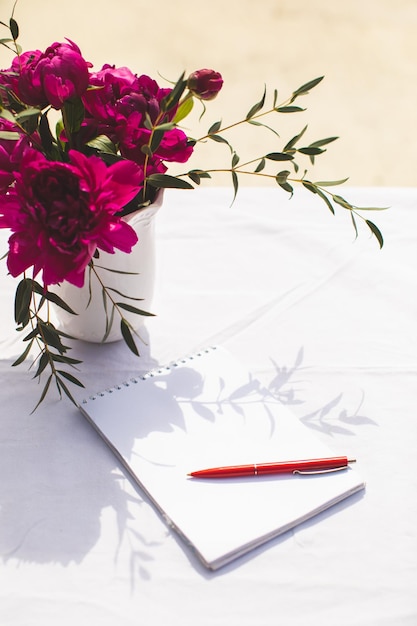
(11, 152)
(52, 77)
(122, 93)
(60, 213)
(119, 108)
(131, 136)
(205, 84)
(9, 79)
(113, 84)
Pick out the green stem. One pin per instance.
(145, 165)
(103, 286)
(245, 120)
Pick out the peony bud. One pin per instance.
(205, 84)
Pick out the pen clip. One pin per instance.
(323, 471)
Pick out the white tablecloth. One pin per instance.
(330, 324)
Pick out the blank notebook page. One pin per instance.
(206, 411)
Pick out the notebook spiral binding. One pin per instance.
(154, 372)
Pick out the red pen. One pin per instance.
(306, 466)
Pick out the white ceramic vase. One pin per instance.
(92, 320)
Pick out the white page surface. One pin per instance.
(207, 411)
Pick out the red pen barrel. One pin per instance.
(282, 467)
(234, 471)
(308, 465)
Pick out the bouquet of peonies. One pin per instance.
(65, 193)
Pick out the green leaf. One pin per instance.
(109, 269)
(286, 187)
(123, 294)
(342, 202)
(61, 385)
(325, 199)
(133, 309)
(157, 136)
(279, 156)
(53, 297)
(22, 302)
(59, 128)
(166, 181)
(260, 166)
(183, 110)
(295, 139)
(281, 177)
(372, 208)
(33, 333)
(44, 392)
(128, 337)
(330, 183)
(310, 186)
(23, 356)
(59, 358)
(172, 99)
(235, 185)
(147, 122)
(109, 320)
(306, 87)
(214, 128)
(235, 159)
(146, 150)
(375, 230)
(323, 142)
(103, 144)
(310, 150)
(36, 287)
(73, 115)
(196, 178)
(6, 115)
(289, 109)
(71, 378)
(354, 224)
(10, 135)
(257, 107)
(164, 127)
(47, 139)
(43, 362)
(219, 139)
(51, 337)
(256, 123)
(28, 113)
(200, 173)
(14, 28)
(197, 175)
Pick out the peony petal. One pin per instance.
(118, 235)
(23, 253)
(125, 178)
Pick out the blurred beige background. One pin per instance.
(367, 51)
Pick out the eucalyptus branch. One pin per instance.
(254, 113)
(126, 328)
(245, 120)
(29, 300)
(13, 27)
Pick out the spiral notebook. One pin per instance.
(202, 411)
